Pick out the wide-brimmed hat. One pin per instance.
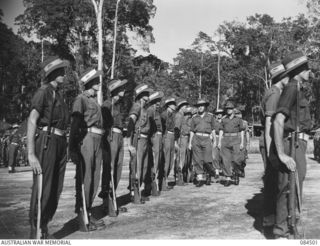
(141, 89)
(229, 105)
(155, 97)
(169, 101)
(201, 102)
(181, 103)
(219, 111)
(115, 84)
(294, 60)
(89, 75)
(277, 71)
(52, 63)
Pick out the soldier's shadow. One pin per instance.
(68, 228)
(255, 209)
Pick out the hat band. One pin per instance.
(154, 95)
(88, 76)
(114, 85)
(51, 64)
(296, 62)
(277, 69)
(141, 89)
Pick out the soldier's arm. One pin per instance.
(190, 139)
(267, 134)
(278, 139)
(220, 138)
(31, 132)
(132, 121)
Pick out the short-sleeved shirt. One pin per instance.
(117, 118)
(42, 102)
(90, 109)
(168, 121)
(233, 125)
(288, 106)
(270, 102)
(155, 119)
(143, 122)
(186, 125)
(205, 124)
(178, 118)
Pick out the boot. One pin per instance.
(155, 191)
(236, 178)
(200, 180)
(208, 179)
(165, 187)
(82, 221)
(180, 179)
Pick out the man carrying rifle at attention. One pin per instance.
(137, 139)
(85, 145)
(291, 124)
(47, 145)
(112, 164)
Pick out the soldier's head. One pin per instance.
(202, 105)
(278, 73)
(237, 113)
(155, 98)
(53, 69)
(90, 81)
(229, 108)
(182, 105)
(117, 88)
(170, 104)
(296, 65)
(218, 113)
(188, 112)
(142, 92)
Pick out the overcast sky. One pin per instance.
(177, 22)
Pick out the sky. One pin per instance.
(177, 22)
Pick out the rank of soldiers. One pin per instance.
(163, 136)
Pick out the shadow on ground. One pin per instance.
(255, 210)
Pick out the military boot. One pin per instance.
(200, 180)
(165, 186)
(208, 179)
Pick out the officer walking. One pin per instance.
(47, 123)
(202, 127)
(231, 142)
(167, 118)
(156, 138)
(114, 162)
(137, 138)
(292, 115)
(269, 105)
(216, 155)
(85, 145)
(13, 149)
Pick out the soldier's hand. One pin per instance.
(190, 146)
(34, 164)
(219, 146)
(132, 150)
(288, 161)
(241, 146)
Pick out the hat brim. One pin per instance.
(182, 104)
(295, 67)
(122, 83)
(64, 63)
(201, 104)
(97, 74)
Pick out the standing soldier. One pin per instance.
(202, 128)
(182, 140)
(231, 142)
(291, 118)
(85, 146)
(167, 118)
(269, 105)
(47, 144)
(216, 155)
(185, 153)
(156, 138)
(113, 161)
(13, 149)
(137, 138)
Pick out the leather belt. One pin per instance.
(158, 132)
(170, 132)
(117, 130)
(96, 130)
(231, 134)
(301, 135)
(143, 135)
(54, 131)
(203, 134)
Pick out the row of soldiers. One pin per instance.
(192, 140)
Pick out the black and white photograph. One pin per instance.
(159, 120)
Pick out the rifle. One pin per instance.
(83, 213)
(111, 169)
(294, 187)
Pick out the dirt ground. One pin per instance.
(209, 212)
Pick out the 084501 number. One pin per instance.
(308, 242)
